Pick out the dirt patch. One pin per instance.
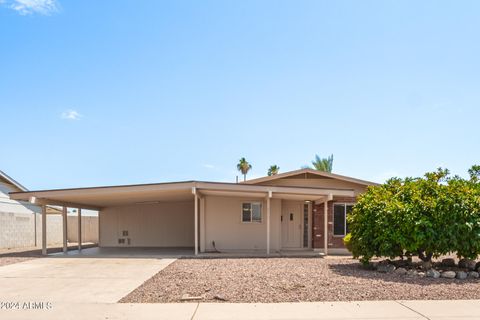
(11, 256)
(290, 280)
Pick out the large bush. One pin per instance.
(427, 217)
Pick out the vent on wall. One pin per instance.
(121, 241)
(125, 233)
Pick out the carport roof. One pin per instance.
(96, 198)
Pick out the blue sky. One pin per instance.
(121, 92)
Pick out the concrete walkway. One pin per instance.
(81, 280)
(154, 252)
(391, 310)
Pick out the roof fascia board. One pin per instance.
(12, 181)
(314, 172)
(274, 189)
(101, 190)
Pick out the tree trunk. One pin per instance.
(425, 256)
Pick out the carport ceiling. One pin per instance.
(101, 197)
(119, 199)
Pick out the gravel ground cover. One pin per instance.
(11, 256)
(291, 280)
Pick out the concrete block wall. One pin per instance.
(17, 230)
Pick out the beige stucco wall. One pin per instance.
(167, 224)
(89, 229)
(224, 226)
(319, 183)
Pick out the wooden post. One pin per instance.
(79, 229)
(64, 220)
(268, 225)
(202, 224)
(35, 228)
(44, 230)
(325, 222)
(196, 223)
(268, 221)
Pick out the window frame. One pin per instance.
(345, 205)
(251, 212)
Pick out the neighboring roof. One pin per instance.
(309, 171)
(12, 181)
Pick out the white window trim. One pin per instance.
(344, 204)
(251, 220)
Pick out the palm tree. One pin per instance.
(323, 164)
(273, 170)
(243, 166)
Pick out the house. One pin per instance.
(298, 210)
(20, 221)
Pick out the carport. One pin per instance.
(171, 214)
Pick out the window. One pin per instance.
(340, 212)
(305, 225)
(251, 212)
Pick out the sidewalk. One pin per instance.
(433, 310)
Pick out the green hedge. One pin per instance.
(428, 217)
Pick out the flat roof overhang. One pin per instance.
(96, 198)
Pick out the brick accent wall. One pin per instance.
(334, 242)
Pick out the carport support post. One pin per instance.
(196, 222)
(64, 225)
(44, 230)
(325, 227)
(79, 229)
(325, 223)
(268, 221)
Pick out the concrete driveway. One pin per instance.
(76, 280)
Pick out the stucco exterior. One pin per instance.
(223, 224)
(197, 214)
(171, 224)
(317, 182)
(166, 224)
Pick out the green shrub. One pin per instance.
(428, 217)
(347, 243)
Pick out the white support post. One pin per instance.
(196, 223)
(35, 228)
(309, 225)
(64, 225)
(325, 223)
(268, 221)
(202, 224)
(79, 229)
(44, 230)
